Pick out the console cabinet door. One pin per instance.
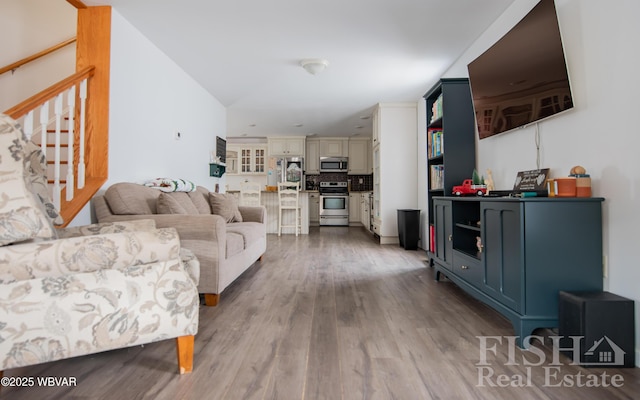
(503, 262)
(444, 231)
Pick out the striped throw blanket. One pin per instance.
(171, 185)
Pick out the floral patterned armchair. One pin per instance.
(76, 291)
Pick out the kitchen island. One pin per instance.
(270, 201)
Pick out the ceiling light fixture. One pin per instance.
(314, 65)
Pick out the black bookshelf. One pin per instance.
(457, 124)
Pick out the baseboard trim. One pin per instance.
(389, 240)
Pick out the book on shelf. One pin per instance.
(436, 178)
(432, 238)
(435, 142)
(436, 109)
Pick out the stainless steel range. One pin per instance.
(334, 203)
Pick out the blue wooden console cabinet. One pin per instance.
(516, 255)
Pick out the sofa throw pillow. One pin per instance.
(225, 205)
(175, 203)
(22, 216)
(36, 168)
(127, 198)
(169, 205)
(200, 199)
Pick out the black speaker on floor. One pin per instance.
(606, 324)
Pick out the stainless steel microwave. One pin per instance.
(334, 164)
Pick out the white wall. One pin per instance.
(422, 190)
(398, 165)
(601, 133)
(151, 99)
(49, 23)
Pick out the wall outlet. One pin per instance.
(605, 267)
(177, 135)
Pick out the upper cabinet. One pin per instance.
(286, 146)
(246, 159)
(375, 140)
(232, 160)
(360, 156)
(312, 157)
(334, 147)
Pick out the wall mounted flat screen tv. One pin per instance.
(523, 77)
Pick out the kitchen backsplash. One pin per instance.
(356, 185)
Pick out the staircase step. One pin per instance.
(61, 162)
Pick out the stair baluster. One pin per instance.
(56, 154)
(71, 105)
(83, 113)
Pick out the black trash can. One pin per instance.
(409, 228)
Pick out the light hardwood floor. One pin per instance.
(330, 315)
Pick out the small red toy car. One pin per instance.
(468, 187)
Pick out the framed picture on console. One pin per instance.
(532, 181)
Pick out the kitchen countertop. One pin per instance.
(302, 191)
(273, 191)
(270, 201)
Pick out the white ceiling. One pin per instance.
(246, 53)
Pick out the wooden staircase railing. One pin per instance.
(26, 60)
(72, 192)
(86, 94)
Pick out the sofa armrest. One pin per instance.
(107, 227)
(56, 258)
(253, 214)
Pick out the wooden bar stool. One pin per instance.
(289, 199)
(249, 194)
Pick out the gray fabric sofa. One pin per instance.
(224, 250)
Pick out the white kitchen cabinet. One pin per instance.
(359, 156)
(395, 166)
(312, 157)
(334, 147)
(354, 207)
(376, 228)
(287, 147)
(232, 160)
(314, 208)
(247, 159)
(365, 209)
(376, 183)
(375, 137)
